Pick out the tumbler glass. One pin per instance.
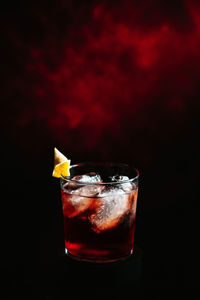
(99, 210)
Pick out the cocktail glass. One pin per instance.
(99, 209)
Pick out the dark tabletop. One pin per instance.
(33, 259)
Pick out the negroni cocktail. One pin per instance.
(99, 210)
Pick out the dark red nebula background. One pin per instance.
(104, 81)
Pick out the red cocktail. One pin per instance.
(99, 210)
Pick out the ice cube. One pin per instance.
(78, 201)
(91, 177)
(80, 180)
(87, 190)
(126, 185)
(119, 178)
(113, 205)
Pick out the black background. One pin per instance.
(167, 158)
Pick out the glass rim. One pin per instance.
(67, 179)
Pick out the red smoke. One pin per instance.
(106, 73)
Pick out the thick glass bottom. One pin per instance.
(98, 259)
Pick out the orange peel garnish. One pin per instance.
(61, 164)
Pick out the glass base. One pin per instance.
(95, 260)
